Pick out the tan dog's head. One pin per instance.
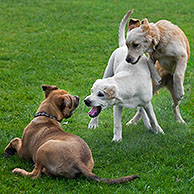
(140, 39)
(102, 96)
(58, 103)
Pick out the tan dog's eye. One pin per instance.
(135, 45)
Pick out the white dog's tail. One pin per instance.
(122, 28)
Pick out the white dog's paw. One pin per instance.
(180, 120)
(131, 122)
(117, 138)
(157, 130)
(93, 124)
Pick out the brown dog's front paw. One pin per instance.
(16, 170)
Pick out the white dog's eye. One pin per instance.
(100, 94)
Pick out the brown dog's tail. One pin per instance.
(122, 28)
(92, 176)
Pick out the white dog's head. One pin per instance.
(102, 96)
(140, 39)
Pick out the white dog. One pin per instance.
(167, 43)
(130, 86)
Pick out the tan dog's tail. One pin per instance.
(92, 176)
(122, 28)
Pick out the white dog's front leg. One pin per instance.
(93, 124)
(117, 123)
(155, 127)
(154, 74)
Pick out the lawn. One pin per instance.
(68, 44)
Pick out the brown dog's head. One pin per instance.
(58, 103)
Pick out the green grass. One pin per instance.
(68, 44)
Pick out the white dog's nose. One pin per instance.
(87, 102)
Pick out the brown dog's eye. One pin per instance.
(63, 104)
(135, 45)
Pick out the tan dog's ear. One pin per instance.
(155, 34)
(110, 91)
(145, 25)
(133, 23)
(48, 89)
(145, 21)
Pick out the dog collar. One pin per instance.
(46, 115)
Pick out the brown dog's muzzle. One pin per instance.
(72, 106)
(76, 101)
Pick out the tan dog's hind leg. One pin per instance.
(178, 78)
(34, 174)
(175, 104)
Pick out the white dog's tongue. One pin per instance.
(94, 111)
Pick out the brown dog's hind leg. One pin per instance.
(46, 172)
(34, 174)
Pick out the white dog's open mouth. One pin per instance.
(95, 111)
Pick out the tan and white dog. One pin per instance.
(123, 85)
(167, 44)
(54, 151)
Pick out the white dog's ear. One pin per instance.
(111, 91)
(133, 23)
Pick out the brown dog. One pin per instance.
(54, 151)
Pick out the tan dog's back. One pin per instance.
(169, 31)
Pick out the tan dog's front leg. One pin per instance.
(178, 78)
(13, 147)
(154, 74)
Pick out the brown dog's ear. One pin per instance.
(133, 23)
(48, 89)
(110, 91)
